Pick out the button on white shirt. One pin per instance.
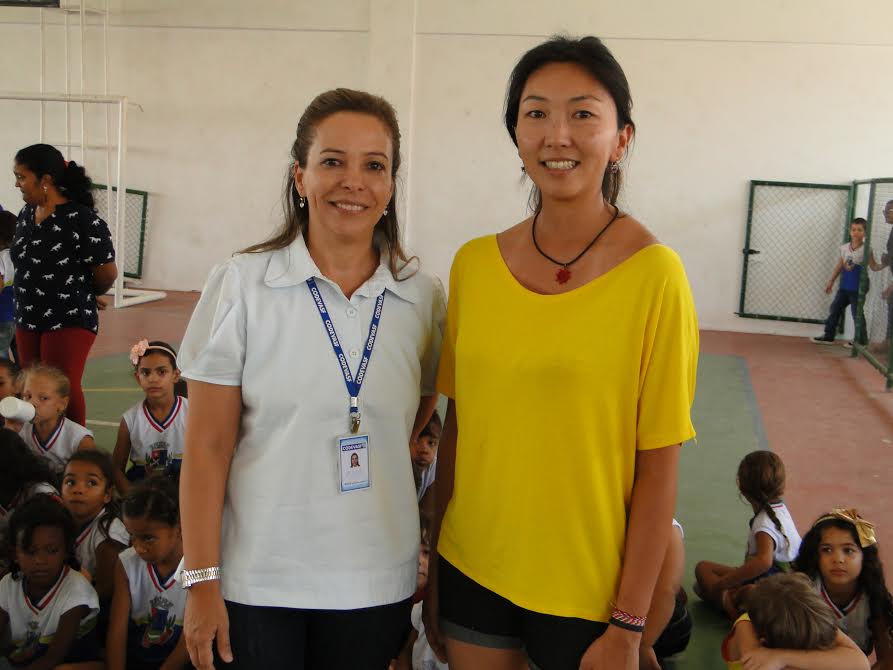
(351, 312)
(290, 539)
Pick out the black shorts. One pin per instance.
(264, 638)
(473, 614)
(677, 634)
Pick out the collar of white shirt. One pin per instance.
(293, 265)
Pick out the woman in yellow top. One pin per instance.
(569, 360)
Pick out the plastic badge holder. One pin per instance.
(16, 410)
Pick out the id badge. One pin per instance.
(353, 462)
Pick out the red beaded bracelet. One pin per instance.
(628, 621)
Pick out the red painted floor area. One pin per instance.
(829, 418)
(825, 413)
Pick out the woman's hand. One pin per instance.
(205, 620)
(431, 612)
(616, 649)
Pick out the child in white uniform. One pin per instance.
(840, 554)
(50, 434)
(149, 604)
(773, 541)
(48, 607)
(87, 493)
(152, 432)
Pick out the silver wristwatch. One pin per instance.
(189, 578)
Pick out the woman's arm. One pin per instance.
(754, 566)
(120, 456)
(66, 632)
(119, 620)
(104, 575)
(648, 532)
(212, 428)
(845, 655)
(663, 602)
(104, 277)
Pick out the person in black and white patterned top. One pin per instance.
(64, 258)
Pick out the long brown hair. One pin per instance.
(387, 230)
(761, 478)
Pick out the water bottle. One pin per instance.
(16, 410)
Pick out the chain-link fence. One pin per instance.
(794, 233)
(132, 246)
(874, 202)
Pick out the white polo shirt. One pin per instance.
(290, 539)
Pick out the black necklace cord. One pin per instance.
(582, 253)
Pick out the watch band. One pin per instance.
(189, 578)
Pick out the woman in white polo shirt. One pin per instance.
(306, 353)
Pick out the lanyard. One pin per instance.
(353, 385)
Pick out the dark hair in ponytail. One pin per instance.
(156, 499)
(70, 178)
(761, 478)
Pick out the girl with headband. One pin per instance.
(152, 432)
(840, 554)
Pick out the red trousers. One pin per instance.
(65, 349)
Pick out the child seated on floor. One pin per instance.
(788, 625)
(47, 607)
(23, 475)
(87, 491)
(424, 455)
(50, 434)
(146, 624)
(417, 653)
(840, 554)
(152, 432)
(773, 541)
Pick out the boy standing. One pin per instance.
(849, 267)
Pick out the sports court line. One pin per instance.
(128, 389)
(97, 422)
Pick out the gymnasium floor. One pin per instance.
(826, 414)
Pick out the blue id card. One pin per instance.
(353, 462)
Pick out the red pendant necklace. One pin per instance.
(564, 274)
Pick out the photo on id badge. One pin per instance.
(353, 461)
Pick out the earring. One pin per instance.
(614, 167)
(385, 212)
(301, 201)
(44, 189)
(523, 170)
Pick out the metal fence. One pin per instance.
(136, 205)
(874, 202)
(794, 233)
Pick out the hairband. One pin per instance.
(864, 529)
(138, 350)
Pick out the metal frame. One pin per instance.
(145, 202)
(745, 252)
(859, 349)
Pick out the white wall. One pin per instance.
(724, 93)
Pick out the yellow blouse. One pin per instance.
(554, 395)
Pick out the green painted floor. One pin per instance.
(714, 518)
